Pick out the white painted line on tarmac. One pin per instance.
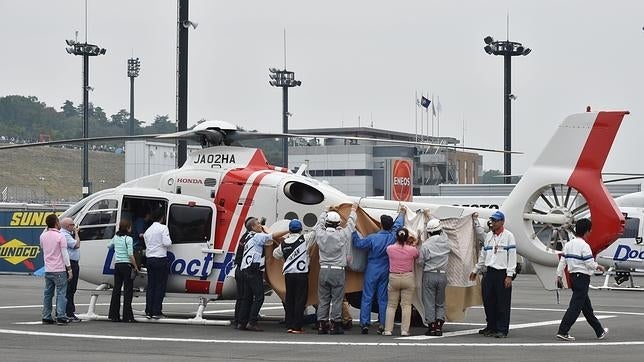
(512, 327)
(318, 343)
(232, 310)
(134, 303)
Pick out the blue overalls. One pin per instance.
(376, 274)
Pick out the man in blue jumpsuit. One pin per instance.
(376, 274)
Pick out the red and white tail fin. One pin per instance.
(564, 183)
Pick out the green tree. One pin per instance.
(69, 110)
(161, 124)
(120, 119)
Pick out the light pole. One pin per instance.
(507, 49)
(86, 50)
(284, 79)
(133, 67)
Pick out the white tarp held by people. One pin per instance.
(460, 293)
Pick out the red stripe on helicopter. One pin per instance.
(608, 221)
(230, 190)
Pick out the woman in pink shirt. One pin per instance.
(401, 281)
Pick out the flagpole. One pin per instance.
(438, 115)
(416, 113)
(422, 128)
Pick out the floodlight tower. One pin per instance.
(284, 79)
(133, 67)
(86, 50)
(507, 49)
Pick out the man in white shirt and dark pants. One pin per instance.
(157, 241)
(578, 257)
(499, 258)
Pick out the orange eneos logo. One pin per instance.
(402, 185)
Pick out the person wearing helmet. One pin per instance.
(376, 274)
(499, 258)
(295, 252)
(334, 243)
(434, 254)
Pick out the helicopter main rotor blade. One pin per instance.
(240, 135)
(79, 140)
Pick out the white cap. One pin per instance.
(433, 225)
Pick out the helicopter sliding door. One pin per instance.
(191, 225)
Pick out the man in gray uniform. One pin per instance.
(334, 243)
(434, 254)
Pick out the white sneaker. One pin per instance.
(603, 335)
(385, 333)
(404, 334)
(565, 337)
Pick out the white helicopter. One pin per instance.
(207, 200)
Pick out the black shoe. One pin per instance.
(130, 320)
(158, 316)
(380, 330)
(336, 328)
(115, 319)
(62, 321)
(364, 330)
(253, 327)
(241, 327)
(323, 327)
(48, 321)
(499, 335)
(73, 318)
(347, 325)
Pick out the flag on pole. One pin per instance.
(433, 108)
(425, 102)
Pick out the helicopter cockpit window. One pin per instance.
(105, 204)
(189, 224)
(100, 221)
(631, 228)
(302, 193)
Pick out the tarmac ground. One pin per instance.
(534, 320)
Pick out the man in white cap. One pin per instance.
(334, 243)
(434, 254)
(499, 257)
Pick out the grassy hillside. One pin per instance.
(57, 173)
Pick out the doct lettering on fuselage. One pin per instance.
(215, 160)
(624, 252)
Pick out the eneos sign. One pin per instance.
(402, 181)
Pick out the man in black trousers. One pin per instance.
(578, 257)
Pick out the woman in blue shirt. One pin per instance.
(123, 267)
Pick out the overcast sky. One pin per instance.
(356, 60)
